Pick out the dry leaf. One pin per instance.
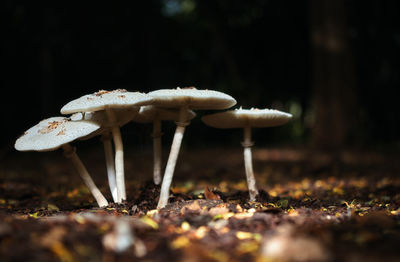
(210, 195)
(194, 206)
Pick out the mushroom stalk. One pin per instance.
(173, 156)
(119, 156)
(70, 153)
(109, 155)
(157, 151)
(248, 163)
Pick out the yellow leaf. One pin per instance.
(243, 235)
(228, 215)
(103, 228)
(248, 247)
(61, 252)
(201, 232)
(79, 219)
(257, 237)
(73, 193)
(219, 256)
(243, 215)
(149, 221)
(219, 216)
(152, 212)
(273, 193)
(180, 242)
(185, 226)
(338, 190)
(395, 212)
(51, 207)
(34, 215)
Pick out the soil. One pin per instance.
(311, 207)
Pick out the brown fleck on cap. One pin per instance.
(119, 98)
(51, 133)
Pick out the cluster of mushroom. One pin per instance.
(104, 112)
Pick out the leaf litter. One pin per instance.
(318, 217)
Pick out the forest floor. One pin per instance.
(311, 207)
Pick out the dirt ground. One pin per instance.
(311, 207)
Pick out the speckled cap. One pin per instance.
(119, 98)
(193, 98)
(54, 132)
(240, 118)
(148, 114)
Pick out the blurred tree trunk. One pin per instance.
(333, 74)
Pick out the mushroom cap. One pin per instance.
(102, 99)
(53, 132)
(192, 97)
(122, 116)
(240, 118)
(148, 114)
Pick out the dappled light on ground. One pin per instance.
(348, 210)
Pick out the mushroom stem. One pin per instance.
(109, 155)
(70, 153)
(119, 156)
(248, 163)
(173, 156)
(157, 151)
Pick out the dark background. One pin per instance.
(333, 64)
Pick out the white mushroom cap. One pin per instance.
(122, 115)
(148, 114)
(192, 97)
(119, 98)
(54, 132)
(240, 118)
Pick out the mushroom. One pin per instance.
(184, 99)
(246, 119)
(109, 101)
(123, 117)
(153, 114)
(55, 132)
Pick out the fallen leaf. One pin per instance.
(180, 242)
(149, 221)
(53, 241)
(201, 232)
(248, 247)
(218, 211)
(243, 235)
(395, 212)
(51, 207)
(34, 215)
(185, 226)
(210, 195)
(194, 206)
